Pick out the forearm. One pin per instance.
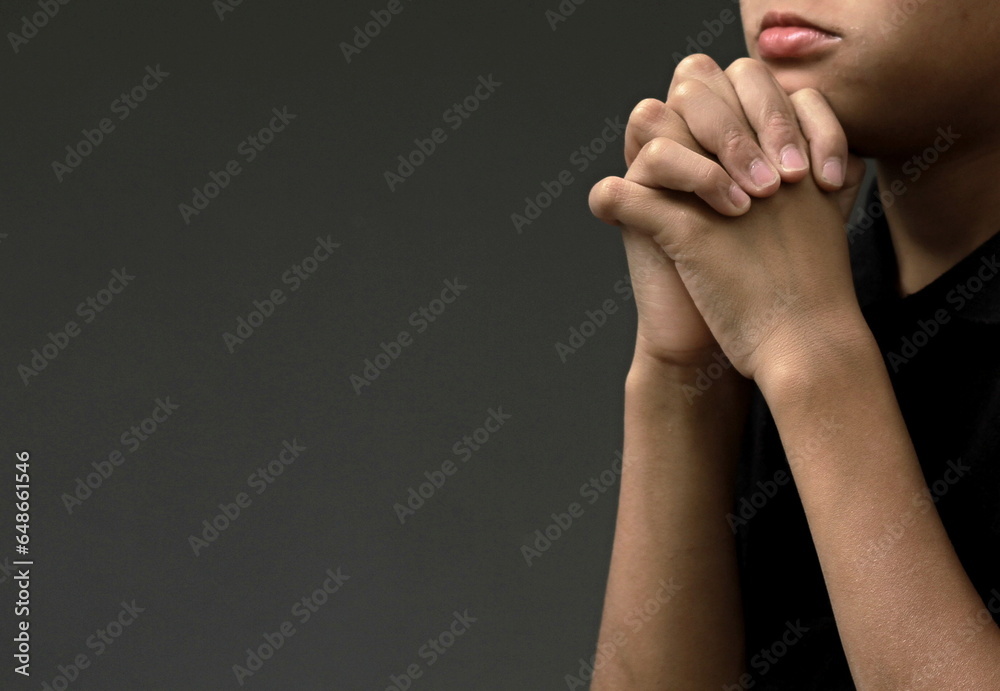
(672, 615)
(907, 614)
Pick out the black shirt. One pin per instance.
(941, 347)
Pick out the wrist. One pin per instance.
(837, 352)
(685, 415)
(700, 382)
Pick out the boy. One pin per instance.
(825, 498)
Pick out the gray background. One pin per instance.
(162, 335)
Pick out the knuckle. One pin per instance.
(710, 177)
(686, 89)
(646, 114)
(778, 122)
(607, 196)
(657, 148)
(702, 180)
(732, 141)
(808, 96)
(742, 67)
(697, 64)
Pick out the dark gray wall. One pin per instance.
(158, 343)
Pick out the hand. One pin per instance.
(739, 126)
(719, 136)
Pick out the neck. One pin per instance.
(940, 205)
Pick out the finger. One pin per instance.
(704, 69)
(646, 259)
(669, 217)
(723, 133)
(772, 116)
(654, 274)
(602, 200)
(667, 164)
(827, 141)
(651, 119)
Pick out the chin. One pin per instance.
(795, 77)
(864, 123)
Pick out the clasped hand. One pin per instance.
(732, 212)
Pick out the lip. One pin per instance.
(784, 35)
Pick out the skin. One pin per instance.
(891, 84)
(726, 259)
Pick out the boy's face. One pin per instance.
(893, 70)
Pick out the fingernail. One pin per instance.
(833, 172)
(738, 197)
(761, 173)
(792, 159)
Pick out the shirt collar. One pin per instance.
(970, 290)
